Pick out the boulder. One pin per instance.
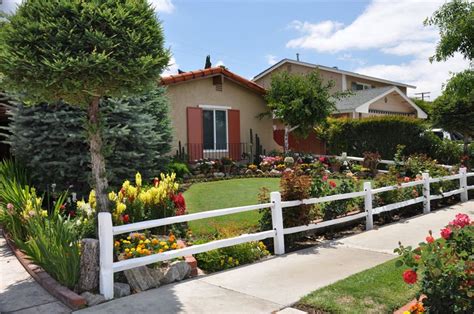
(140, 278)
(183, 268)
(121, 289)
(93, 299)
(275, 172)
(89, 265)
(157, 274)
(219, 174)
(171, 275)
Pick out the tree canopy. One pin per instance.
(455, 20)
(454, 109)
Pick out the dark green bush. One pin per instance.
(180, 168)
(383, 134)
(51, 141)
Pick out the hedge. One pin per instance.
(383, 134)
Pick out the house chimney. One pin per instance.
(297, 56)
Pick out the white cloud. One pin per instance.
(271, 59)
(163, 6)
(349, 58)
(219, 63)
(172, 68)
(393, 28)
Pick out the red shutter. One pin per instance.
(195, 136)
(233, 117)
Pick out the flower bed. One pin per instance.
(446, 267)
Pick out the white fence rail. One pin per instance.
(107, 231)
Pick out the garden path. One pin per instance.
(278, 282)
(19, 292)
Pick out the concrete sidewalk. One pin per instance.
(19, 292)
(278, 282)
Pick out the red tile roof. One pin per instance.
(186, 76)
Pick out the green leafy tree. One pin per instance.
(455, 20)
(79, 51)
(454, 109)
(208, 62)
(300, 101)
(50, 140)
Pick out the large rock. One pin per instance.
(183, 269)
(140, 278)
(93, 299)
(89, 269)
(121, 289)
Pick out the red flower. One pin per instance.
(417, 257)
(429, 239)
(332, 184)
(322, 159)
(446, 233)
(179, 203)
(410, 276)
(461, 221)
(125, 218)
(63, 206)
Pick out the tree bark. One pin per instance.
(97, 158)
(287, 144)
(466, 144)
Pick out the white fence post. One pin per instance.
(369, 222)
(463, 184)
(106, 242)
(277, 222)
(426, 193)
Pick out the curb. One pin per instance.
(64, 294)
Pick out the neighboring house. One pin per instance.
(214, 111)
(214, 114)
(370, 95)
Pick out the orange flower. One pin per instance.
(172, 238)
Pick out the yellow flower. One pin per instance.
(166, 247)
(120, 208)
(126, 184)
(160, 251)
(174, 246)
(141, 241)
(230, 259)
(138, 179)
(236, 262)
(112, 196)
(117, 243)
(132, 249)
(147, 241)
(92, 199)
(44, 213)
(127, 250)
(162, 243)
(154, 241)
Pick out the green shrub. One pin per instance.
(446, 267)
(232, 256)
(383, 134)
(53, 243)
(180, 168)
(52, 143)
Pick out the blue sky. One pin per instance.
(382, 38)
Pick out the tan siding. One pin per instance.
(203, 92)
(395, 103)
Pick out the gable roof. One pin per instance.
(329, 69)
(191, 75)
(360, 100)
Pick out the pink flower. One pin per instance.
(461, 221)
(429, 239)
(410, 276)
(417, 257)
(325, 178)
(446, 233)
(406, 179)
(10, 206)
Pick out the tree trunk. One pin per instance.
(466, 145)
(287, 144)
(97, 158)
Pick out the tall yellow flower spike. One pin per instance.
(92, 199)
(138, 179)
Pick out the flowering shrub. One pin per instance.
(446, 267)
(397, 195)
(232, 256)
(138, 245)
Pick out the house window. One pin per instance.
(214, 129)
(360, 86)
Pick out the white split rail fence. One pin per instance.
(107, 231)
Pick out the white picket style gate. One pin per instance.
(107, 231)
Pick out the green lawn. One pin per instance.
(376, 290)
(222, 194)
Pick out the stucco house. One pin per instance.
(214, 111)
(214, 114)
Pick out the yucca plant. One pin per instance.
(53, 243)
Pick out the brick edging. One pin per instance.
(191, 260)
(64, 294)
(407, 306)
